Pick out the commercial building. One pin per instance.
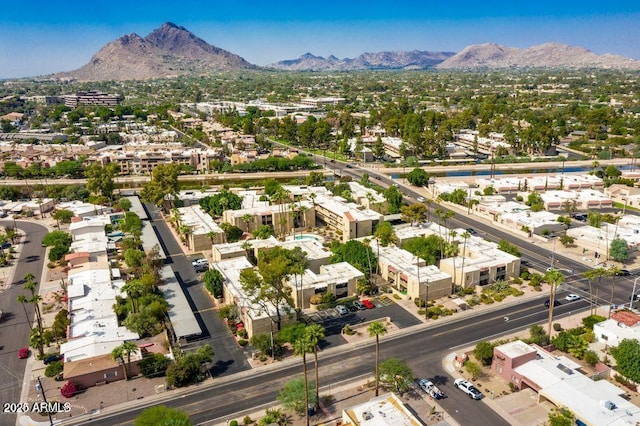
(383, 410)
(90, 97)
(622, 325)
(560, 381)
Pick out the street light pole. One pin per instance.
(44, 398)
(633, 292)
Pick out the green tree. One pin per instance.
(418, 177)
(396, 373)
(594, 218)
(293, 396)
(484, 352)
(263, 232)
(268, 286)
(538, 336)
(473, 368)
(100, 180)
(163, 183)
(232, 232)
(619, 250)
(385, 234)
(394, 199)
(190, 368)
(627, 356)
(216, 204)
(414, 213)
(354, 252)
(62, 215)
(134, 258)
(213, 281)
(377, 329)
(561, 417)
(154, 365)
(160, 415)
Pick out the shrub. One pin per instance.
(557, 326)
(54, 369)
(247, 420)
(242, 333)
(154, 365)
(591, 358)
(316, 299)
(242, 342)
(233, 423)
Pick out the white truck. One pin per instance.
(431, 389)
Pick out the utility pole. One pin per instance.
(44, 398)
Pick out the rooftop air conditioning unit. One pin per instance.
(609, 405)
(367, 415)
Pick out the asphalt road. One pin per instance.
(14, 326)
(228, 357)
(423, 349)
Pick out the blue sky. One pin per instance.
(38, 37)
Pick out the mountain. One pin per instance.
(549, 55)
(415, 59)
(167, 51)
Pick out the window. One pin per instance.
(112, 374)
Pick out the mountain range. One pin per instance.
(172, 50)
(415, 59)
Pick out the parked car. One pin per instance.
(572, 297)
(23, 353)
(359, 305)
(368, 304)
(471, 231)
(421, 199)
(51, 358)
(6, 245)
(555, 303)
(468, 388)
(623, 273)
(431, 389)
(342, 310)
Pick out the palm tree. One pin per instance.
(175, 217)
(212, 236)
(314, 333)
(23, 299)
(591, 275)
(12, 233)
(302, 347)
(367, 243)
(377, 329)
(453, 250)
(247, 219)
(466, 235)
(35, 298)
(554, 278)
(185, 231)
(36, 341)
(122, 351)
(613, 273)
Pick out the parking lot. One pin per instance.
(334, 322)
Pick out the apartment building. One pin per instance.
(367, 197)
(198, 229)
(317, 255)
(410, 275)
(578, 200)
(480, 263)
(321, 102)
(258, 318)
(283, 218)
(624, 194)
(339, 278)
(350, 220)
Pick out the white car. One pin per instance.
(342, 310)
(572, 297)
(468, 388)
(421, 199)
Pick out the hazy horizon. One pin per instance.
(61, 36)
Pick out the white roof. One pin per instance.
(230, 270)
(384, 410)
(353, 212)
(80, 208)
(336, 273)
(89, 222)
(407, 263)
(180, 314)
(515, 349)
(198, 220)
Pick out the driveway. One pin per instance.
(228, 357)
(14, 326)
